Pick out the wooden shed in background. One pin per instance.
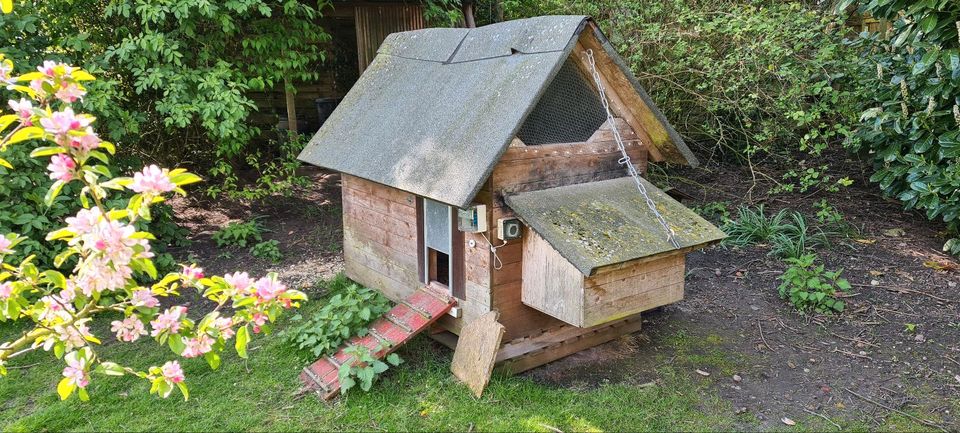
(357, 28)
(479, 163)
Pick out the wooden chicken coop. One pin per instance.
(481, 163)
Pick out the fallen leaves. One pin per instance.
(703, 373)
(941, 266)
(788, 421)
(894, 233)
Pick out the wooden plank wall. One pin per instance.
(528, 168)
(380, 237)
(551, 284)
(374, 22)
(634, 288)
(380, 247)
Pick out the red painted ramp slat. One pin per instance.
(390, 331)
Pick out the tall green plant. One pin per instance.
(741, 76)
(911, 126)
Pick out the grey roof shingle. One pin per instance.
(608, 222)
(436, 109)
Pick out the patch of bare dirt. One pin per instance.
(897, 344)
(307, 225)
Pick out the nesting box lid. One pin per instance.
(437, 108)
(597, 224)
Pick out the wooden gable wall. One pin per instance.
(530, 168)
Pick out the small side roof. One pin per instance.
(436, 108)
(608, 222)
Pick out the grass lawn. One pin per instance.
(421, 394)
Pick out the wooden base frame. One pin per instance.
(522, 354)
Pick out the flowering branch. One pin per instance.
(111, 254)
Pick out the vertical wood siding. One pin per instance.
(375, 22)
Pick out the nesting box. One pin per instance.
(483, 129)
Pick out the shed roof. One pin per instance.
(437, 108)
(608, 222)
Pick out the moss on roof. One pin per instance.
(603, 223)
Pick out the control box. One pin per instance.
(509, 229)
(472, 219)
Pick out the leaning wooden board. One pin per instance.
(477, 350)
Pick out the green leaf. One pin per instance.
(65, 388)
(53, 192)
(213, 359)
(929, 23)
(242, 339)
(47, 151)
(176, 344)
(24, 134)
(110, 369)
(184, 391)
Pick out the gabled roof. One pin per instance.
(437, 108)
(604, 223)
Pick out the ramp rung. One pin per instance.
(404, 321)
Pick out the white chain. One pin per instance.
(625, 160)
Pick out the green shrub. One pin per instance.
(787, 232)
(365, 369)
(752, 226)
(743, 75)
(269, 250)
(796, 238)
(911, 123)
(810, 288)
(175, 78)
(344, 314)
(238, 234)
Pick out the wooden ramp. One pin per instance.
(411, 316)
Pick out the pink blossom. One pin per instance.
(73, 336)
(152, 180)
(61, 167)
(172, 372)
(61, 123)
(24, 109)
(55, 309)
(225, 326)
(269, 288)
(130, 329)
(55, 70)
(168, 321)
(70, 92)
(96, 274)
(86, 142)
(191, 274)
(239, 281)
(6, 67)
(197, 346)
(6, 290)
(259, 319)
(76, 371)
(37, 86)
(5, 245)
(144, 298)
(84, 221)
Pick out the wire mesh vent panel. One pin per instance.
(569, 111)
